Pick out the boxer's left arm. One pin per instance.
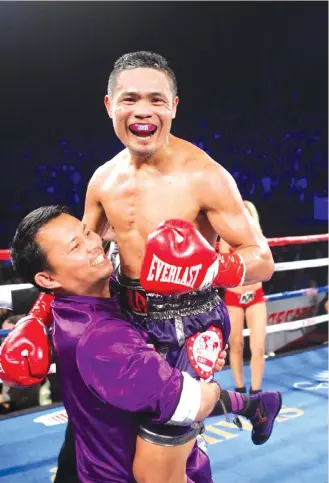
(224, 247)
(220, 199)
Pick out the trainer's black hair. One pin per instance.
(27, 256)
(141, 59)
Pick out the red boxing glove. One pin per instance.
(25, 355)
(231, 270)
(179, 259)
(41, 309)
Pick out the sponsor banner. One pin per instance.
(286, 310)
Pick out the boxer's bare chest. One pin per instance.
(140, 200)
(135, 202)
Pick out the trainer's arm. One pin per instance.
(118, 366)
(222, 202)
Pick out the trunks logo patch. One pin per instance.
(134, 300)
(247, 297)
(203, 350)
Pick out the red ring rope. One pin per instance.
(4, 255)
(294, 240)
(273, 242)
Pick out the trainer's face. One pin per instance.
(76, 257)
(142, 108)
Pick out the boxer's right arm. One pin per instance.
(94, 216)
(122, 370)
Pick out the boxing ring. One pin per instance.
(298, 448)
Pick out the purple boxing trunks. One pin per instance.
(188, 330)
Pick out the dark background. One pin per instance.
(252, 82)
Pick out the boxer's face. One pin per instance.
(142, 108)
(77, 261)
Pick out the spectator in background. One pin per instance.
(3, 314)
(323, 307)
(11, 321)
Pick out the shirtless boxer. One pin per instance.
(160, 177)
(246, 302)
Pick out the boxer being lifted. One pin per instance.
(161, 177)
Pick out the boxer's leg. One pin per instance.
(161, 464)
(162, 451)
(171, 461)
(256, 317)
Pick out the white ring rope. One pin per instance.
(317, 262)
(279, 267)
(293, 325)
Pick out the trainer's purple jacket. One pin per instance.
(109, 378)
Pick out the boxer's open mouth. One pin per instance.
(142, 130)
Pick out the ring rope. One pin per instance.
(294, 240)
(15, 286)
(293, 325)
(4, 254)
(270, 329)
(296, 265)
(282, 241)
(271, 297)
(296, 293)
(279, 267)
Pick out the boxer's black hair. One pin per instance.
(141, 59)
(26, 254)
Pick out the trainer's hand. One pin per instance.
(25, 355)
(220, 363)
(41, 309)
(177, 259)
